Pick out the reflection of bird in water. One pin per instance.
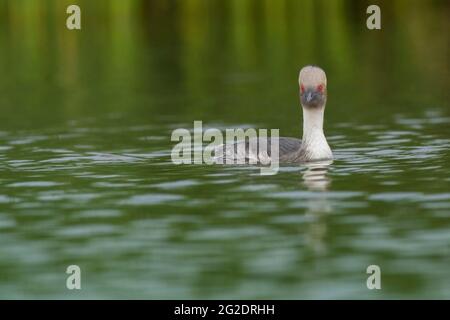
(315, 176)
(316, 180)
(313, 146)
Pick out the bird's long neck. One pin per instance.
(312, 123)
(314, 143)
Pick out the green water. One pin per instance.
(86, 176)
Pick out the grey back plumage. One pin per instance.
(248, 150)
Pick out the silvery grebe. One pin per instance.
(313, 146)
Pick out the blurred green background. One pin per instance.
(199, 51)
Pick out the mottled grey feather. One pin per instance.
(289, 149)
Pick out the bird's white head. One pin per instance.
(313, 87)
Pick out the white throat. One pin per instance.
(314, 143)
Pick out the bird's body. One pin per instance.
(312, 147)
(251, 151)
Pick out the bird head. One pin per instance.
(313, 87)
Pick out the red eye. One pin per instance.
(302, 88)
(320, 88)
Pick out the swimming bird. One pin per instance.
(313, 146)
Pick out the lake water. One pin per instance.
(87, 179)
